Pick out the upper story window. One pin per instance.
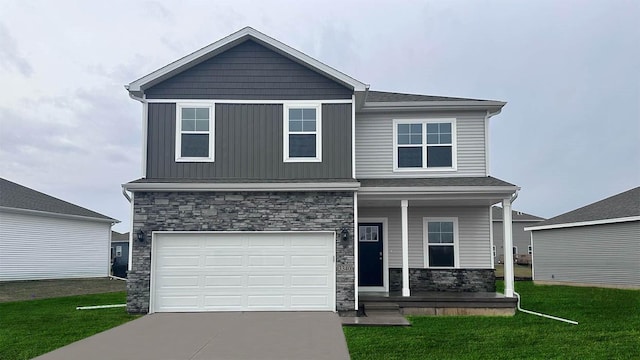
(194, 133)
(302, 133)
(440, 241)
(424, 144)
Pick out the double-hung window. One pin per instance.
(440, 242)
(424, 144)
(195, 133)
(302, 133)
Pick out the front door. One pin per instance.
(370, 254)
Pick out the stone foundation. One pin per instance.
(241, 211)
(453, 280)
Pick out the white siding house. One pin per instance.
(42, 237)
(596, 245)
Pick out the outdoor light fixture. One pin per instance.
(140, 235)
(344, 233)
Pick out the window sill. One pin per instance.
(194, 160)
(302, 160)
(443, 169)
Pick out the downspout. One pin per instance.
(513, 198)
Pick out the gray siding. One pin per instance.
(597, 254)
(374, 145)
(473, 231)
(249, 71)
(249, 145)
(521, 238)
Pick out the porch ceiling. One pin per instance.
(394, 201)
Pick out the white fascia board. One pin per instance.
(432, 105)
(319, 186)
(438, 190)
(219, 46)
(583, 223)
(56, 215)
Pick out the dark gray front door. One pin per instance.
(370, 254)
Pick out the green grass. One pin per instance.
(32, 328)
(609, 328)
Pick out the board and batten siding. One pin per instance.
(249, 71)
(597, 254)
(249, 145)
(473, 231)
(36, 247)
(374, 145)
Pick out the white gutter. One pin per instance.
(583, 223)
(193, 187)
(543, 315)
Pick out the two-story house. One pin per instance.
(272, 181)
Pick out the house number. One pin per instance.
(345, 267)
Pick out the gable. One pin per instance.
(249, 71)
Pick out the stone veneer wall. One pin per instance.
(453, 280)
(240, 211)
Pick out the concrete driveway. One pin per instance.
(226, 335)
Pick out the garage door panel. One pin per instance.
(244, 272)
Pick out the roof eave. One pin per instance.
(58, 215)
(583, 223)
(137, 87)
(433, 105)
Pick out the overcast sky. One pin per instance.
(569, 70)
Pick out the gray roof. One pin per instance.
(517, 216)
(622, 205)
(16, 196)
(448, 181)
(384, 96)
(236, 181)
(118, 237)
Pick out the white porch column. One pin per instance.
(508, 247)
(405, 248)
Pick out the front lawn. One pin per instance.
(609, 329)
(32, 328)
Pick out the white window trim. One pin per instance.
(285, 131)
(424, 168)
(211, 132)
(456, 241)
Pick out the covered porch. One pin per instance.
(427, 244)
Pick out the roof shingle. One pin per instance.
(16, 196)
(384, 96)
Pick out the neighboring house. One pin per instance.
(42, 237)
(522, 249)
(272, 181)
(595, 245)
(119, 254)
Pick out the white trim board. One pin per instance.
(583, 223)
(319, 186)
(247, 101)
(55, 215)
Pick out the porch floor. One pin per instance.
(443, 303)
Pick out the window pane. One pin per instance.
(295, 114)
(433, 226)
(202, 113)
(302, 145)
(403, 139)
(404, 128)
(441, 256)
(295, 125)
(188, 125)
(309, 114)
(416, 128)
(416, 139)
(445, 139)
(409, 157)
(434, 237)
(202, 125)
(308, 125)
(433, 129)
(445, 128)
(446, 238)
(432, 139)
(189, 113)
(446, 226)
(195, 145)
(439, 156)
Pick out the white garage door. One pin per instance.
(243, 272)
